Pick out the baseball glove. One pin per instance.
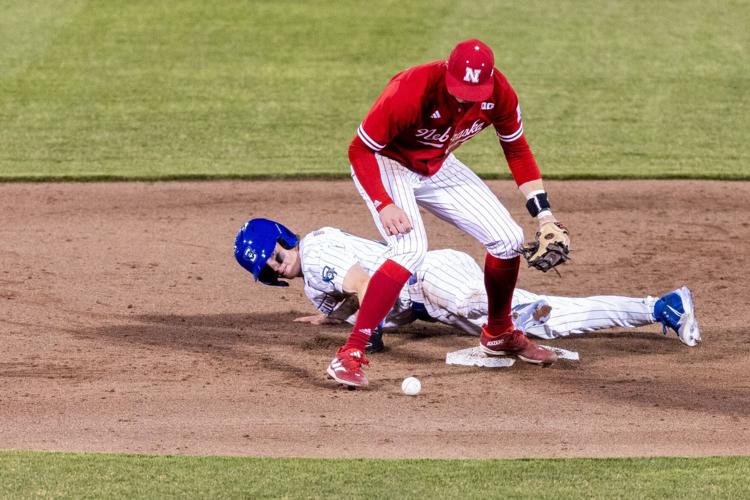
(550, 247)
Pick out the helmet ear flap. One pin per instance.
(268, 276)
(286, 243)
(287, 239)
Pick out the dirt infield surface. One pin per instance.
(127, 326)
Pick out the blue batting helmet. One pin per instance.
(255, 243)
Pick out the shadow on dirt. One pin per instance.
(224, 331)
(268, 341)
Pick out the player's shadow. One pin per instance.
(618, 342)
(417, 342)
(175, 331)
(264, 338)
(268, 339)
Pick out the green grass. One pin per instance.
(163, 89)
(29, 474)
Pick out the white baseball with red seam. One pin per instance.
(411, 386)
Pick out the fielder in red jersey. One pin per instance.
(402, 159)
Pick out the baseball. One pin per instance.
(411, 386)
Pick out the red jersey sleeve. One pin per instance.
(368, 173)
(396, 109)
(509, 128)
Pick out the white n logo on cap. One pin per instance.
(472, 75)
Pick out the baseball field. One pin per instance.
(138, 360)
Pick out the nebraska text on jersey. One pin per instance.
(418, 123)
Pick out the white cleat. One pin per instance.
(688, 330)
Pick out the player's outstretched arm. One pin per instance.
(318, 319)
(355, 283)
(356, 280)
(342, 313)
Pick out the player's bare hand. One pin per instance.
(394, 220)
(316, 319)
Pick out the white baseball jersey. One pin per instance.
(449, 286)
(327, 255)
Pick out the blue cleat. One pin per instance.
(675, 310)
(375, 344)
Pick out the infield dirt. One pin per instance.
(127, 326)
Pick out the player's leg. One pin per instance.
(451, 286)
(457, 195)
(405, 253)
(575, 315)
(407, 250)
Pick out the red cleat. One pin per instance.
(346, 367)
(514, 343)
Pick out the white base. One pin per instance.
(564, 354)
(473, 356)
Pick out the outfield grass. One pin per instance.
(164, 89)
(28, 474)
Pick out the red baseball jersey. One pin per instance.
(416, 122)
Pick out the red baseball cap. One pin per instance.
(470, 68)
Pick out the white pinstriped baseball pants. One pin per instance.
(454, 194)
(451, 285)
